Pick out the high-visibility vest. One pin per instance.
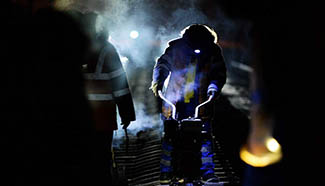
(101, 91)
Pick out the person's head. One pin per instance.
(199, 34)
(102, 32)
(87, 21)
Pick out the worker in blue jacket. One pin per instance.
(195, 67)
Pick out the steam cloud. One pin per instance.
(157, 22)
(143, 122)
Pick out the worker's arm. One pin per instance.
(161, 70)
(120, 88)
(218, 72)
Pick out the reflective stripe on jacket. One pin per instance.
(107, 87)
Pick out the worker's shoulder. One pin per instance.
(109, 48)
(112, 57)
(215, 47)
(175, 42)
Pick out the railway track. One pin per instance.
(138, 165)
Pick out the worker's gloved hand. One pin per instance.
(212, 90)
(154, 88)
(125, 124)
(212, 93)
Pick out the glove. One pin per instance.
(154, 88)
(212, 90)
(212, 93)
(125, 124)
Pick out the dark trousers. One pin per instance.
(186, 154)
(103, 160)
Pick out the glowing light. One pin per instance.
(134, 34)
(273, 155)
(197, 51)
(272, 145)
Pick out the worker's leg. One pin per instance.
(103, 158)
(167, 156)
(207, 166)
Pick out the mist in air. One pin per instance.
(155, 21)
(140, 31)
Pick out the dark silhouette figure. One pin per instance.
(47, 129)
(108, 89)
